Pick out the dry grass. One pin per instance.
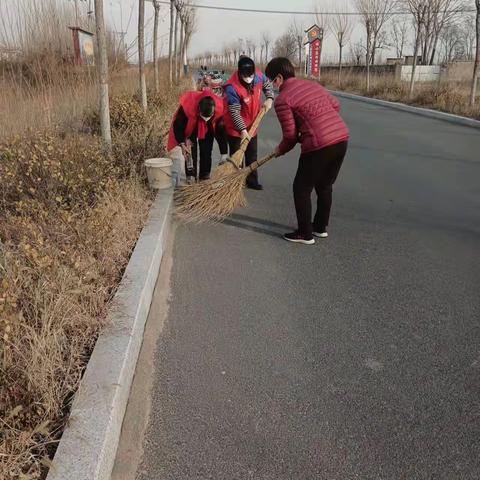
(69, 217)
(447, 97)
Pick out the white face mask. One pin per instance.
(206, 118)
(248, 80)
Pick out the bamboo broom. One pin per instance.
(235, 161)
(214, 200)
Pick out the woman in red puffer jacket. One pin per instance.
(310, 115)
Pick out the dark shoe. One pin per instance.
(297, 237)
(205, 177)
(254, 186)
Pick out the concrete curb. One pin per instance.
(425, 112)
(88, 445)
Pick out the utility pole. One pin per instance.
(103, 75)
(141, 54)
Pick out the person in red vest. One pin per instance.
(309, 115)
(198, 119)
(243, 93)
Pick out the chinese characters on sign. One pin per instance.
(315, 49)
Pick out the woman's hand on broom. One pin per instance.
(245, 135)
(186, 147)
(268, 104)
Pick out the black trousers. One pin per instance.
(205, 148)
(250, 155)
(317, 170)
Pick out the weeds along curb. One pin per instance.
(89, 443)
(425, 112)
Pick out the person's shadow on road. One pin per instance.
(257, 225)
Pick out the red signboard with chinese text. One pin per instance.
(315, 57)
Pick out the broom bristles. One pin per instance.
(214, 200)
(211, 200)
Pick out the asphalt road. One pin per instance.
(356, 358)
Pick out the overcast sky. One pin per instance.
(218, 27)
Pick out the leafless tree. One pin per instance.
(357, 52)
(467, 26)
(418, 8)
(297, 31)
(323, 21)
(141, 53)
(476, 68)
(286, 46)
(189, 20)
(249, 44)
(266, 41)
(262, 48)
(452, 43)
(400, 32)
(342, 28)
(374, 15)
(439, 15)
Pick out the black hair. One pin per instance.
(246, 66)
(206, 106)
(280, 66)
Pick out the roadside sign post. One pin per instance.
(313, 51)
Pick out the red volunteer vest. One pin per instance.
(189, 102)
(250, 103)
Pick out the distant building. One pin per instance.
(409, 60)
(395, 61)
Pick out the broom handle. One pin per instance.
(253, 129)
(255, 165)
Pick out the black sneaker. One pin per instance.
(297, 237)
(254, 186)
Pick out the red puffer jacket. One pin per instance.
(309, 115)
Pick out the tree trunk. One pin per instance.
(141, 53)
(476, 68)
(340, 65)
(170, 42)
(414, 66)
(434, 48)
(180, 50)
(299, 55)
(175, 46)
(103, 75)
(185, 53)
(368, 60)
(155, 45)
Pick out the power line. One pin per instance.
(296, 12)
